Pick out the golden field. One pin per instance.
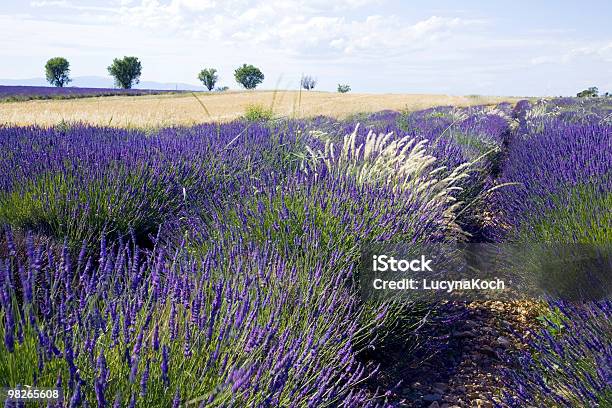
(188, 108)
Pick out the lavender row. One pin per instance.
(126, 327)
(558, 177)
(246, 288)
(569, 362)
(24, 93)
(557, 180)
(73, 184)
(248, 284)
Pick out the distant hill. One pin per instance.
(102, 82)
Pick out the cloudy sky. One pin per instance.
(535, 47)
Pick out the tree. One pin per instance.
(248, 76)
(57, 70)
(344, 88)
(307, 82)
(588, 93)
(209, 77)
(126, 71)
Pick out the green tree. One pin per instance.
(126, 71)
(57, 70)
(209, 77)
(588, 93)
(248, 76)
(307, 82)
(344, 88)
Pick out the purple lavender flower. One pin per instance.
(117, 402)
(135, 357)
(9, 329)
(101, 380)
(164, 365)
(156, 337)
(144, 380)
(132, 403)
(76, 399)
(24, 93)
(176, 401)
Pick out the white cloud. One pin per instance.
(296, 27)
(362, 42)
(597, 51)
(67, 5)
(193, 5)
(54, 3)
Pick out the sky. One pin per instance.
(521, 48)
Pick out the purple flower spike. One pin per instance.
(144, 380)
(176, 402)
(164, 365)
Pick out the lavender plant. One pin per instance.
(569, 363)
(73, 184)
(560, 158)
(128, 325)
(245, 297)
(563, 177)
(215, 265)
(24, 93)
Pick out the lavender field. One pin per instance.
(217, 265)
(25, 93)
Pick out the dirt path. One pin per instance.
(472, 352)
(467, 348)
(481, 348)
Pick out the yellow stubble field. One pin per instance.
(189, 109)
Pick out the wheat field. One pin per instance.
(193, 108)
